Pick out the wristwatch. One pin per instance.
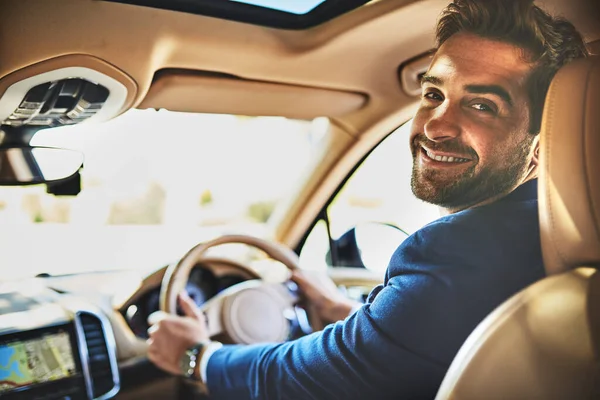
(190, 361)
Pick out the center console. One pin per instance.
(71, 359)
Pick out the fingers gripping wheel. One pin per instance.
(250, 312)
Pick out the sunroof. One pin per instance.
(284, 14)
(294, 7)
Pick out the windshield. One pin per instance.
(154, 184)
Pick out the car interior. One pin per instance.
(345, 71)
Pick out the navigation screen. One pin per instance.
(23, 363)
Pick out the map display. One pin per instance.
(23, 363)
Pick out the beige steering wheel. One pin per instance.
(253, 311)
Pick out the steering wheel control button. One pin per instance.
(292, 287)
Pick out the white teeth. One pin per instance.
(445, 158)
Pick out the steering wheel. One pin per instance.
(253, 311)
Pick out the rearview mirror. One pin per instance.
(34, 165)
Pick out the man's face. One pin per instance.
(469, 138)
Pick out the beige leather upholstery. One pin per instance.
(544, 342)
(570, 186)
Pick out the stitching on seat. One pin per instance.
(549, 123)
(585, 169)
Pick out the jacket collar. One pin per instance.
(527, 191)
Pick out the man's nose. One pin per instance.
(443, 124)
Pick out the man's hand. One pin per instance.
(320, 291)
(172, 335)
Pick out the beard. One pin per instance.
(471, 187)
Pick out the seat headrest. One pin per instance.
(569, 181)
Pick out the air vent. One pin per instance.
(57, 103)
(100, 368)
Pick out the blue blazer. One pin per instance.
(440, 283)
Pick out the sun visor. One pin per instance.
(224, 94)
(411, 72)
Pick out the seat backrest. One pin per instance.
(544, 342)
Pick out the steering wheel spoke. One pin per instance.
(212, 311)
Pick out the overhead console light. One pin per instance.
(58, 103)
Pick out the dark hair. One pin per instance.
(548, 42)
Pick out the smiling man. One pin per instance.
(475, 147)
(471, 141)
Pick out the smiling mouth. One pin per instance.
(444, 158)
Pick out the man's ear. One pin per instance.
(535, 159)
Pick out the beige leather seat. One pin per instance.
(544, 342)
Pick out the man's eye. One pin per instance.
(483, 107)
(432, 96)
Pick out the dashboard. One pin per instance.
(82, 336)
(67, 353)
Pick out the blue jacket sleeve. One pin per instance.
(440, 283)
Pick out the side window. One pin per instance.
(372, 212)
